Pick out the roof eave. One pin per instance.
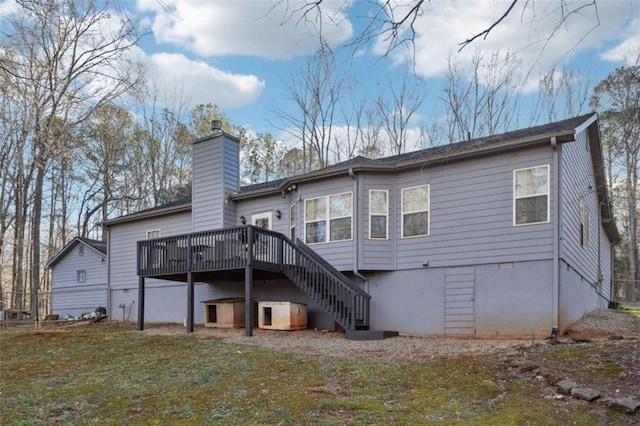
(561, 137)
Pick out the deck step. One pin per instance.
(369, 334)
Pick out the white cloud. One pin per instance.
(203, 83)
(8, 7)
(258, 28)
(525, 32)
(629, 48)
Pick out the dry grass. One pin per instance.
(111, 374)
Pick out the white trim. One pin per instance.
(548, 195)
(586, 124)
(262, 215)
(293, 223)
(328, 218)
(154, 230)
(386, 214)
(428, 210)
(585, 222)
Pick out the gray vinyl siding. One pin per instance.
(578, 183)
(215, 174)
(231, 180)
(122, 245)
(266, 204)
(471, 211)
(339, 253)
(71, 297)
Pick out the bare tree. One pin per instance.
(561, 94)
(63, 59)
(398, 111)
(315, 91)
(618, 97)
(397, 22)
(362, 131)
(106, 138)
(161, 157)
(482, 100)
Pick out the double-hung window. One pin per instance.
(531, 195)
(81, 276)
(328, 218)
(378, 214)
(415, 211)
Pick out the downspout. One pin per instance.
(599, 277)
(356, 241)
(109, 316)
(556, 238)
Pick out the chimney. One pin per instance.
(216, 174)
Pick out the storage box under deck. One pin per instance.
(282, 315)
(224, 313)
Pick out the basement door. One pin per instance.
(459, 301)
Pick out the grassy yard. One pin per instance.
(111, 374)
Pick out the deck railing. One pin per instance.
(233, 248)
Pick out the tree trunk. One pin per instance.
(35, 234)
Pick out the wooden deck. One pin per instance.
(244, 254)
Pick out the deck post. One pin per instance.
(248, 285)
(141, 303)
(248, 297)
(190, 297)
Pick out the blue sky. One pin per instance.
(238, 53)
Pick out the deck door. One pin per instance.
(459, 301)
(261, 248)
(261, 220)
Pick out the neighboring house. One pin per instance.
(79, 277)
(509, 234)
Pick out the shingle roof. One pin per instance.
(183, 203)
(99, 245)
(440, 153)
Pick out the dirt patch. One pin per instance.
(601, 351)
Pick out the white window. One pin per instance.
(584, 222)
(328, 218)
(378, 214)
(81, 276)
(531, 195)
(415, 211)
(152, 234)
(292, 222)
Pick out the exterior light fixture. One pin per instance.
(278, 214)
(243, 220)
